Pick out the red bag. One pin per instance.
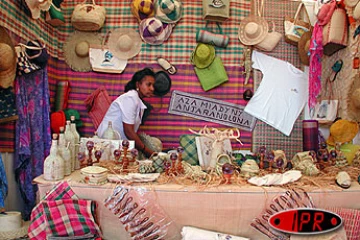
(97, 105)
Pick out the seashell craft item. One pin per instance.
(280, 160)
(304, 162)
(218, 137)
(152, 143)
(343, 179)
(249, 169)
(146, 166)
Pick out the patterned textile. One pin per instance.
(3, 184)
(8, 110)
(310, 135)
(32, 133)
(37, 228)
(97, 104)
(351, 221)
(176, 49)
(190, 155)
(70, 217)
(263, 134)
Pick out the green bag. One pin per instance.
(187, 142)
(212, 76)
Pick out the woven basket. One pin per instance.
(88, 17)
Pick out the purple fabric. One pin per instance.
(310, 135)
(33, 137)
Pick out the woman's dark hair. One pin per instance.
(137, 77)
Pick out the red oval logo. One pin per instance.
(305, 221)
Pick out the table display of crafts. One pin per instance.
(103, 160)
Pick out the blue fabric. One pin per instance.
(33, 138)
(3, 184)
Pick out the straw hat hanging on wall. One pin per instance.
(353, 99)
(124, 43)
(76, 50)
(253, 30)
(7, 59)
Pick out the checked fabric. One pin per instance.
(62, 214)
(188, 143)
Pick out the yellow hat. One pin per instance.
(342, 131)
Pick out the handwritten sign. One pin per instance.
(211, 110)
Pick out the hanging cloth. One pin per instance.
(315, 67)
(33, 138)
(3, 185)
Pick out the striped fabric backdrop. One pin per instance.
(177, 50)
(166, 126)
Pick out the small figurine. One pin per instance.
(179, 167)
(228, 171)
(90, 147)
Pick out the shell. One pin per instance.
(249, 168)
(307, 167)
(343, 179)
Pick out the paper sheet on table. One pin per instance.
(192, 233)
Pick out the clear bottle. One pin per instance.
(65, 153)
(76, 140)
(54, 164)
(110, 133)
(69, 137)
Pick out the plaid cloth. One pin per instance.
(70, 217)
(190, 155)
(351, 221)
(310, 135)
(41, 225)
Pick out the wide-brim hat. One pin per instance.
(162, 83)
(142, 9)
(353, 100)
(252, 30)
(154, 32)
(7, 60)
(124, 43)
(76, 50)
(168, 11)
(303, 48)
(342, 131)
(17, 233)
(203, 55)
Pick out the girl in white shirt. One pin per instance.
(126, 111)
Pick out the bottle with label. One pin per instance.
(76, 140)
(70, 142)
(110, 133)
(65, 153)
(53, 164)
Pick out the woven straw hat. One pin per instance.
(252, 30)
(303, 48)
(142, 9)
(124, 43)
(203, 55)
(353, 100)
(154, 32)
(7, 59)
(168, 11)
(342, 131)
(76, 50)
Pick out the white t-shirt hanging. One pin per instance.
(282, 93)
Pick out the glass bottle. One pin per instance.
(65, 153)
(69, 137)
(76, 140)
(110, 133)
(53, 164)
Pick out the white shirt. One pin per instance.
(282, 93)
(127, 108)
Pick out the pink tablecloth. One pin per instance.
(228, 209)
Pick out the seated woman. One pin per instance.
(126, 111)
